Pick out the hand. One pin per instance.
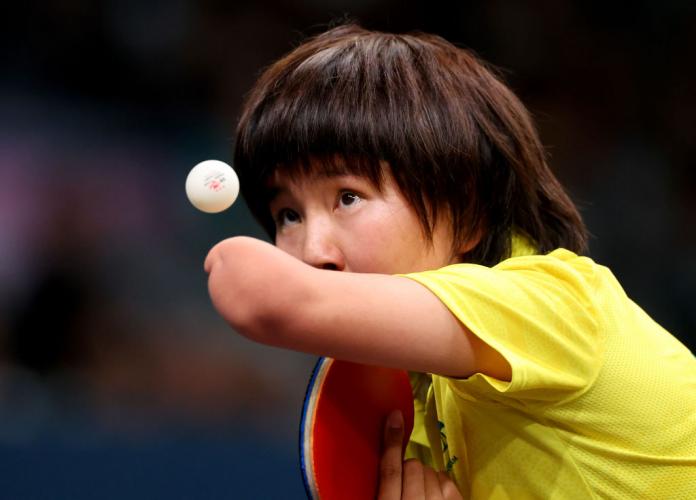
(409, 480)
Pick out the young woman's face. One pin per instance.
(345, 223)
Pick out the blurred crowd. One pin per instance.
(106, 331)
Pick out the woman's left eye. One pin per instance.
(349, 198)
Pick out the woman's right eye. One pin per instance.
(286, 217)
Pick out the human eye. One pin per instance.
(286, 217)
(349, 198)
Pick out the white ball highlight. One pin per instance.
(212, 186)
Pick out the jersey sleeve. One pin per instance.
(538, 312)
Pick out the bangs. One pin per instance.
(334, 109)
(454, 137)
(331, 165)
(352, 106)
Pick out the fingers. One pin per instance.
(409, 480)
(448, 489)
(421, 481)
(413, 487)
(391, 464)
(431, 483)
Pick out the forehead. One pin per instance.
(280, 183)
(284, 177)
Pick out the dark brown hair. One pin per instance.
(455, 137)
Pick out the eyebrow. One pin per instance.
(273, 190)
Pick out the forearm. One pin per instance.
(273, 298)
(252, 284)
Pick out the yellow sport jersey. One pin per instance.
(602, 401)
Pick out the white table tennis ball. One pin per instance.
(212, 186)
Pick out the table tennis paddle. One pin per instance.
(341, 431)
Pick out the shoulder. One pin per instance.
(561, 271)
(537, 311)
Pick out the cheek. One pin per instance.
(289, 245)
(381, 248)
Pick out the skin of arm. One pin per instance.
(275, 299)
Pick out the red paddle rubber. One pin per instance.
(343, 418)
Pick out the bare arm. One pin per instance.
(273, 298)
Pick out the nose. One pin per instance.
(321, 248)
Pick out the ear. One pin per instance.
(462, 250)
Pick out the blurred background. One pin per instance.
(117, 378)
